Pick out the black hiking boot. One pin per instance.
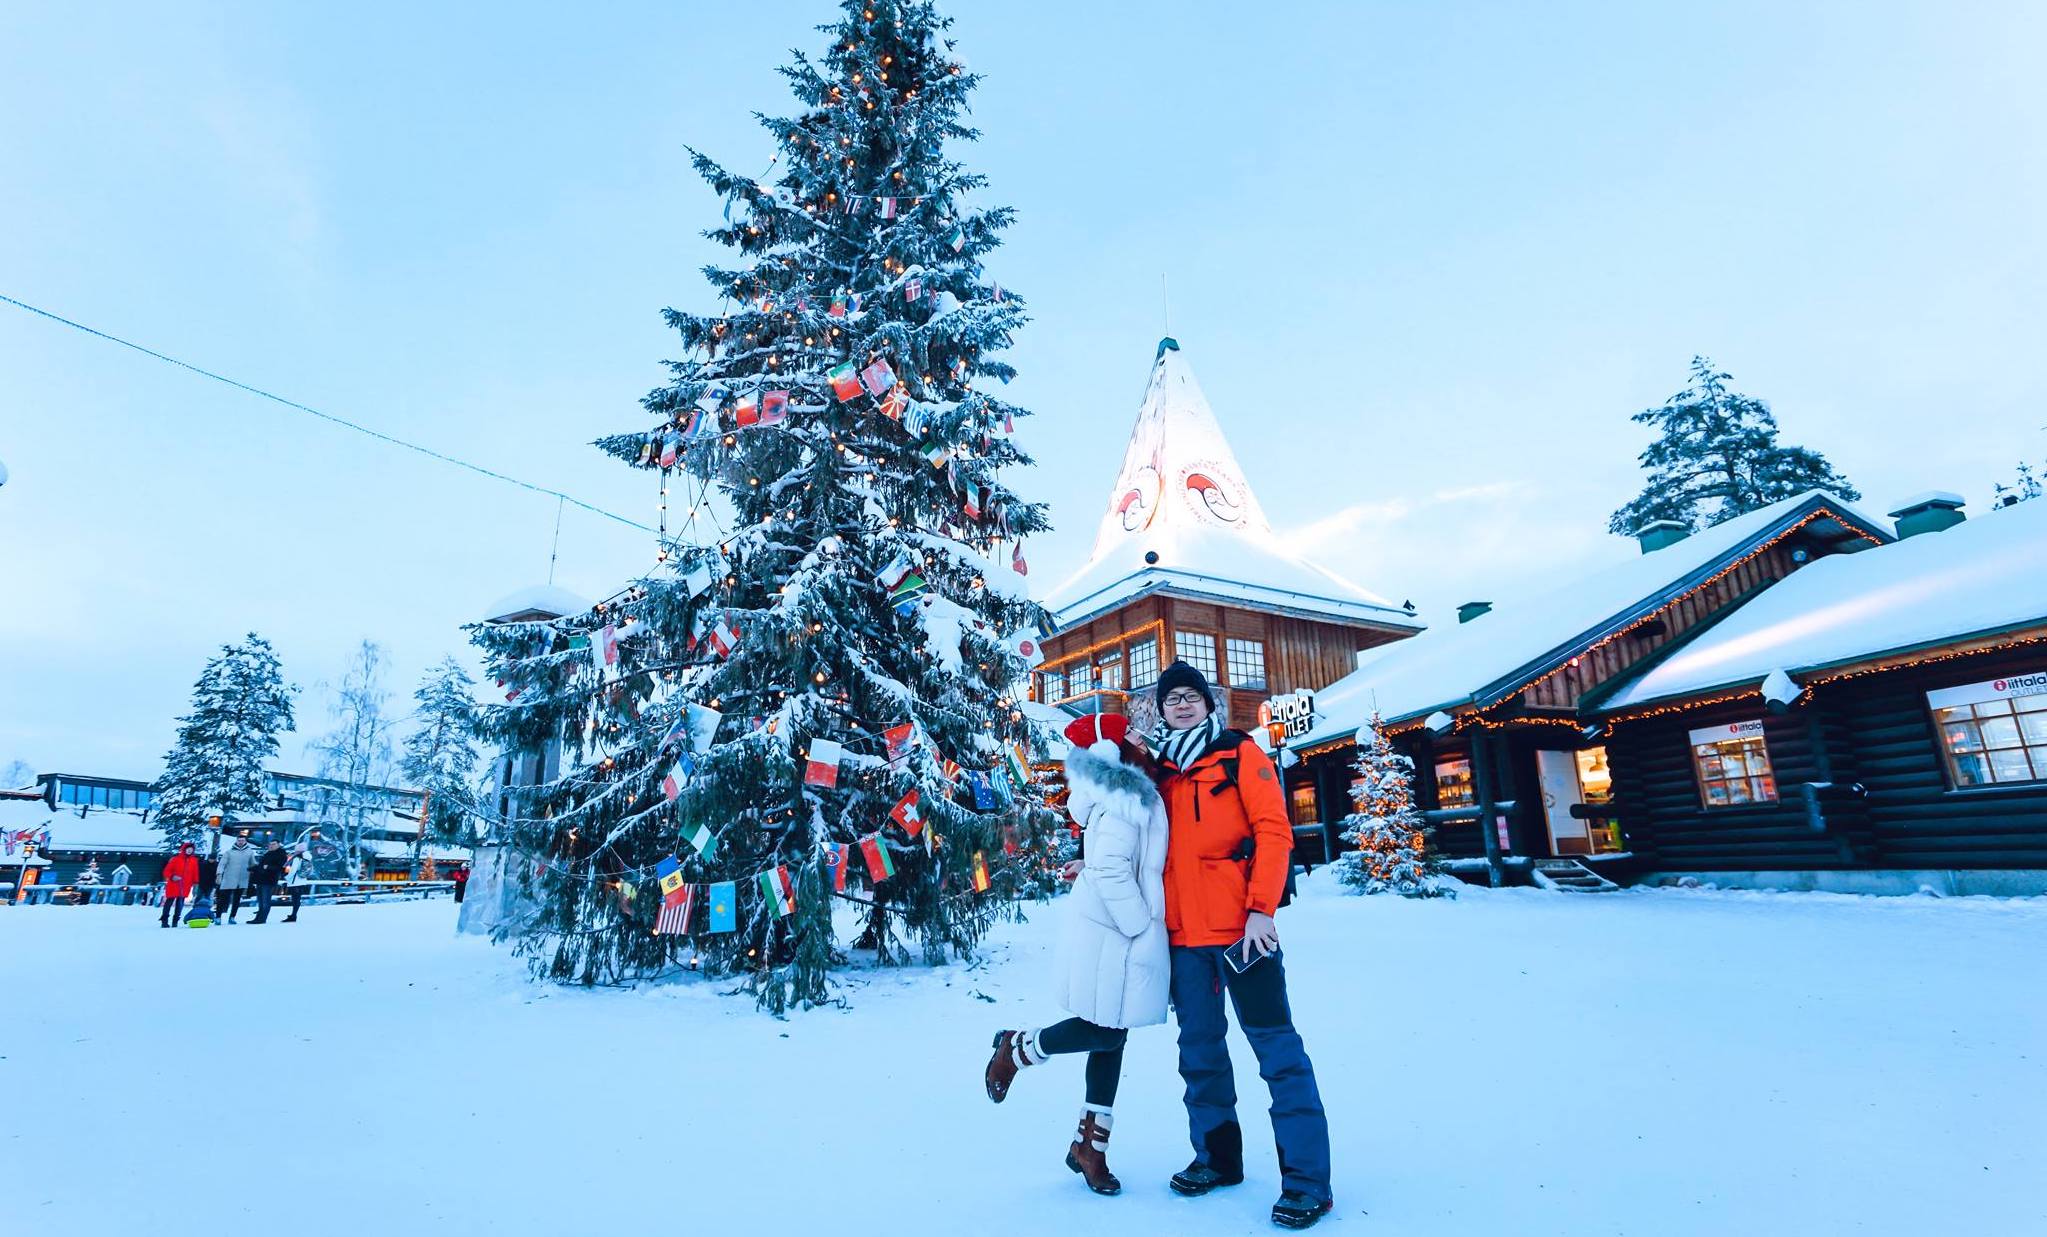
(1198, 1179)
(1297, 1210)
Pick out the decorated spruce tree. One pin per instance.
(810, 702)
(1716, 455)
(240, 705)
(1392, 852)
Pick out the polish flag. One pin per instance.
(823, 768)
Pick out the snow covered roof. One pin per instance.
(1182, 518)
(1977, 578)
(535, 602)
(403, 850)
(1499, 650)
(88, 829)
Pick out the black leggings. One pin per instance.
(1104, 1049)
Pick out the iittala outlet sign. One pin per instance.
(1296, 712)
(2010, 687)
(1727, 733)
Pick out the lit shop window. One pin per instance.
(1733, 765)
(1247, 663)
(1052, 686)
(1994, 732)
(1081, 679)
(1197, 649)
(1305, 811)
(1144, 664)
(1454, 784)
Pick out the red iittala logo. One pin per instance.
(1997, 686)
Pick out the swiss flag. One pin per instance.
(905, 814)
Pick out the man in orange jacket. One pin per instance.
(1227, 861)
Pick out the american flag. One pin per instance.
(675, 909)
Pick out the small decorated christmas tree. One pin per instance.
(1392, 852)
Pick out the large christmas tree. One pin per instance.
(813, 702)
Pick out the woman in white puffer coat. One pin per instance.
(1114, 970)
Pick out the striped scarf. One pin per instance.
(1181, 748)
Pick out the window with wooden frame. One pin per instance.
(1052, 686)
(1733, 765)
(1246, 661)
(1144, 663)
(1109, 669)
(1990, 736)
(1305, 810)
(1455, 787)
(1197, 649)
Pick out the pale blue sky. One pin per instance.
(1425, 259)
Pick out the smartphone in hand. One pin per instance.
(1241, 956)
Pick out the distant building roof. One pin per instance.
(539, 601)
(1182, 518)
(1978, 578)
(1466, 663)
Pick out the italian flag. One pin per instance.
(779, 892)
(823, 767)
(845, 383)
(879, 866)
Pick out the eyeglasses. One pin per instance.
(1183, 698)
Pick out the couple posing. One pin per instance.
(1185, 859)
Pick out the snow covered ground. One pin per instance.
(1668, 1062)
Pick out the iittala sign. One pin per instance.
(1728, 733)
(2010, 687)
(1296, 712)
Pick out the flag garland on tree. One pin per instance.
(831, 403)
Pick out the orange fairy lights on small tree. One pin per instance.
(1391, 838)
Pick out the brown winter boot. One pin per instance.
(1089, 1154)
(1013, 1051)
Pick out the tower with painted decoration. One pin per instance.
(1185, 565)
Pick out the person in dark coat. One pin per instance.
(180, 874)
(1226, 870)
(264, 875)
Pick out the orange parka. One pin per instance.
(1208, 891)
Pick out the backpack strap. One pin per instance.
(1230, 740)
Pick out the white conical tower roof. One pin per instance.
(1182, 515)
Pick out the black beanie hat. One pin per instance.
(1178, 675)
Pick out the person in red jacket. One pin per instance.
(1227, 863)
(179, 875)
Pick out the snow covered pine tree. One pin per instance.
(1391, 837)
(240, 705)
(828, 689)
(440, 758)
(1716, 456)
